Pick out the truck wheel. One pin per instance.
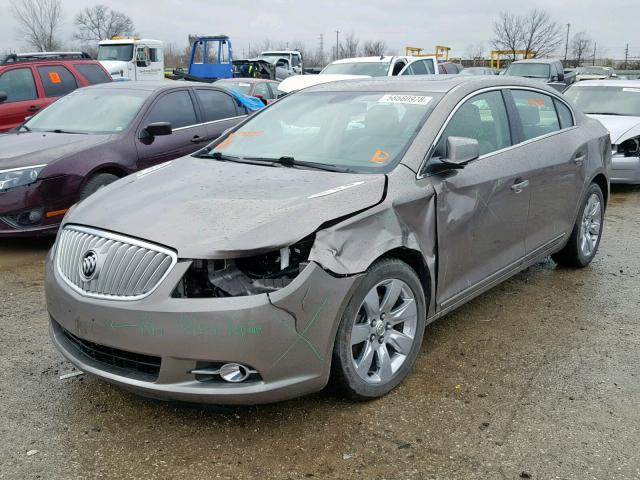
(587, 231)
(380, 332)
(96, 182)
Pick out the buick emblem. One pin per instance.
(89, 265)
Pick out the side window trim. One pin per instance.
(515, 126)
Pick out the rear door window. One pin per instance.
(93, 73)
(483, 118)
(216, 105)
(537, 113)
(263, 89)
(57, 80)
(176, 108)
(18, 84)
(564, 114)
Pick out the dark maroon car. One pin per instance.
(96, 135)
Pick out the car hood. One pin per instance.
(114, 67)
(620, 128)
(298, 82)
(205, 208)
(37, 148)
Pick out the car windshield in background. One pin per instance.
(593, 71)
(123, 53)
(373, 69)
(89, 112)
(476, 71)
(533, 70)
(606, 100)
(361, 132)
(242, 87)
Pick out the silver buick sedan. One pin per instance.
(316, 240)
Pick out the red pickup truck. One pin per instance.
(31, 81)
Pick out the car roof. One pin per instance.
(536, 60)
(423, 83)
(149, 86)
(376, 59)
(608, 83)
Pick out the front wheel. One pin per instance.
(587, 231)
(96, 182)
(380, 332)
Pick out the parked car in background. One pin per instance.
(265, 90)
(616, 104)
(319, 237)
(594, 73)
(383, 66)
(479, 71)
(31, 81)
(546, 70)
(449, 68)
(96, 135)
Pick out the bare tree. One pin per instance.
(541, 34)
(38, 22)
(507, 33)
(374, 48)
(534, 33)
(475, 52)
(100, 22)
(349, 46)
(581, 46)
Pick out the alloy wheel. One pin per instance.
(591, 226)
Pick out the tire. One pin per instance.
(391, 358)
(96, 182)
(587, 231)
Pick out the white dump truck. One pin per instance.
(128, 58)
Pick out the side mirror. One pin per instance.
(3, 97)
(460, 151)
(156, 129)
(561, 77)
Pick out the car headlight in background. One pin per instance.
(629, 148)
(19, 177)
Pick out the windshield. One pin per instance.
(123, 53)
(89, 111)
(593, 71)
(535, 70)
(476, 71)
(373, 69)
(363, 132)
(242, 87)
(606, 100)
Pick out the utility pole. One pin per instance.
(626, 56)
(566, 46)
(321, 50)
(337, 43)
(595, 46)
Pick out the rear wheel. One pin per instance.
(587, 231)
(381, 331)
(96, 182)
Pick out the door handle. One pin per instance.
(196, 139)
(579, 158)
(33, 108)
(519, 186)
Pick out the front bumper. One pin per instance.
(287, 336)
(625, 169)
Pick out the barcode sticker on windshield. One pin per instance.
(408, 99)
(634, 90)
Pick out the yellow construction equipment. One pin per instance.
(496, 54)
(442, 52)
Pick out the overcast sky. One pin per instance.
(455, 23)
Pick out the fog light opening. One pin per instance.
(234, 372)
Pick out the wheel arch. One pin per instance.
(416, 261)
(601, 180)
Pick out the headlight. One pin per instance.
(629, 148)
(245, 276)
(18, 177)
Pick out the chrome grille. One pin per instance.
(127, 269)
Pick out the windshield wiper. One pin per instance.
(57, 130)
(292, 162)
(605, 113)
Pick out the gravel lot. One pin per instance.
(538, 379)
